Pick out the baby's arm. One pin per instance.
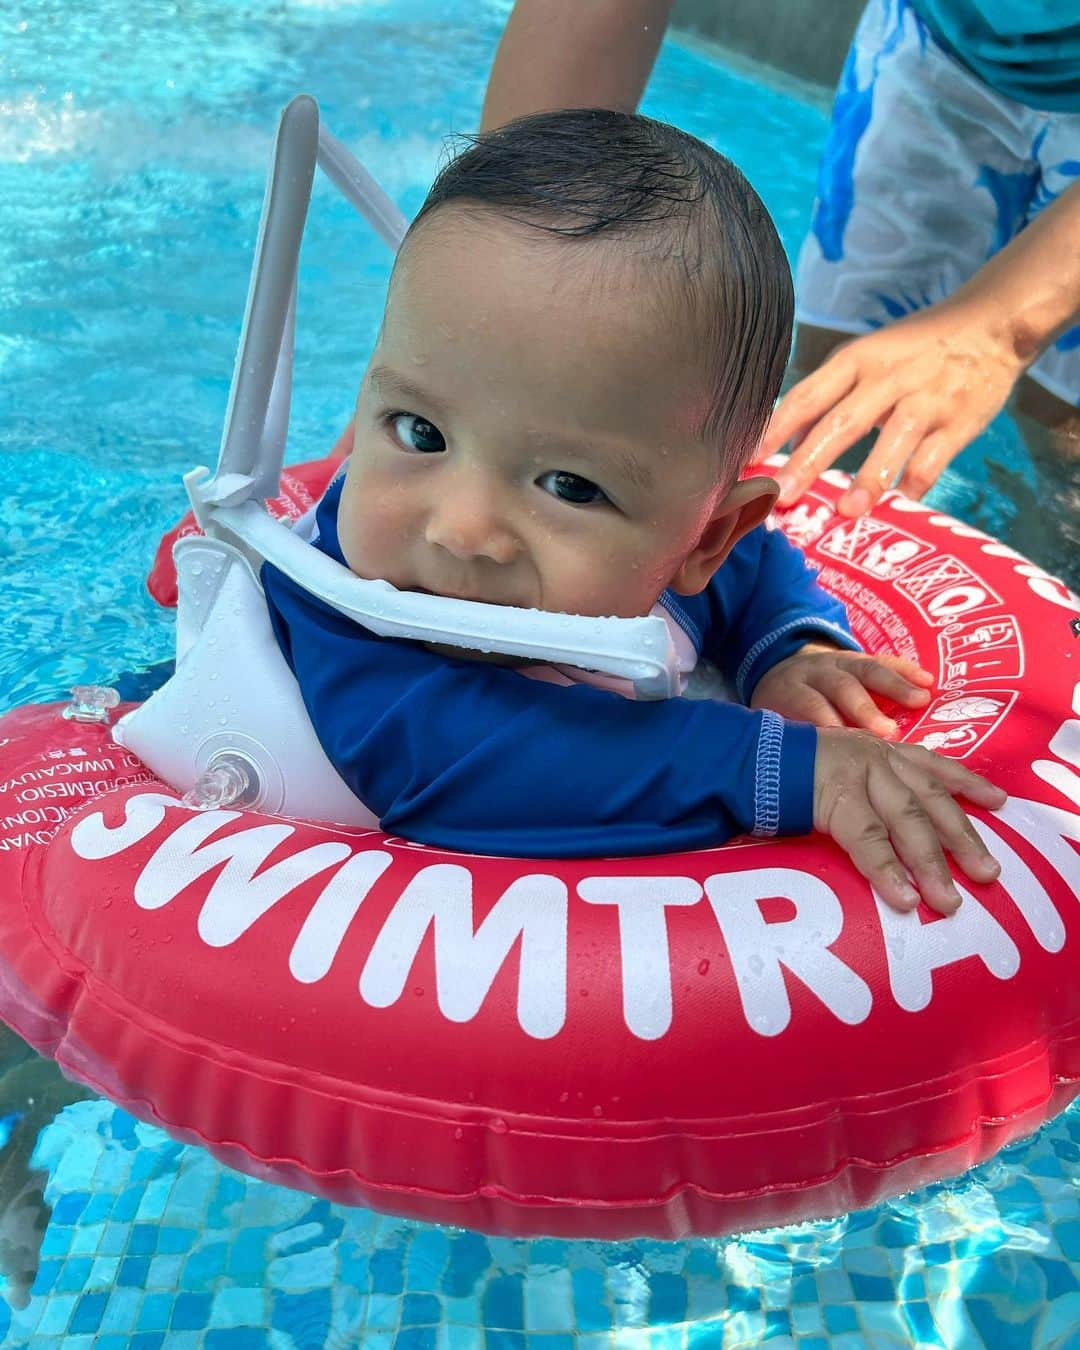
(468, 755)
(787, 645)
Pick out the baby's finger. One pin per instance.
(911, 670)
(954, 829)
(847, 693)
(861, 833)
(915, 837)
(887, 680)
(960, 782)
(804, 703)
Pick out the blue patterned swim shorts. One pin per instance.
(926, 173)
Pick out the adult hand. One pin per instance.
(932, 382)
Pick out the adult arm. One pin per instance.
(934, 380)
(473, 756)
(574, 54)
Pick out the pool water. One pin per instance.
(133, 145)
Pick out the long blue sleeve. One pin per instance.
(472, 756)
(759, 609)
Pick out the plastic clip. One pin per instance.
(92, 703)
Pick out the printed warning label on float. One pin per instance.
(957, 724)
(878, 549)
(986, 649)
(943, 588)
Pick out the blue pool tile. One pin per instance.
(114, 1240)
(504, 1302)
(871, 1288)
(245, 1338)
(840, 1317)
(921, 1322)
(155, 1198)
(191, 1312)
(155, 1312)
(164, 1272)
(590, 1308)
(416, 1338)
(85, 1238)
(98, 1208)
(236, 1307)
(122, 1310)
(132, 1272)
(127, 1204)
(305, 1317)
(667, 1297)
(74, 1274)
(87, 1315)
(499, 1339)
(386, 1266)
(247, 1255)
(205, 1265)
(994, 1330)
(147, 1340)
(46, 1276)
(743, 1299)
(469, 1258)
(1058, 1276)
(69, 1207)
(110, 1341)
(54, 1241)
(173, 1241)
(383, 1312)
(420, 1310)
(804, 1289)
(1068, 1236)
(142, 1240)
(56, 1315)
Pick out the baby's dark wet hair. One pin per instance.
(588, 172)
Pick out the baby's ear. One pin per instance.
(743, 509)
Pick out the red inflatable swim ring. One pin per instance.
(696, 1043)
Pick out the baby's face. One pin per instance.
(525, 431)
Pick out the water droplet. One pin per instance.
(459, 1133)
(499, 1126)
(703, 966)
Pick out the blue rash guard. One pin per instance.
(467, 755)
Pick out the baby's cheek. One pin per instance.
(374, 530)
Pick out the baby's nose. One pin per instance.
(469, 529)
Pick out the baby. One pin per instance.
(585, 332)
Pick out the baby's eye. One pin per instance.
(571, 487)
(416, 433)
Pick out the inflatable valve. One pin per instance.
(230, 779)
(92, 703)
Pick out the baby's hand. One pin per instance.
(891, 807)
(829, 687)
